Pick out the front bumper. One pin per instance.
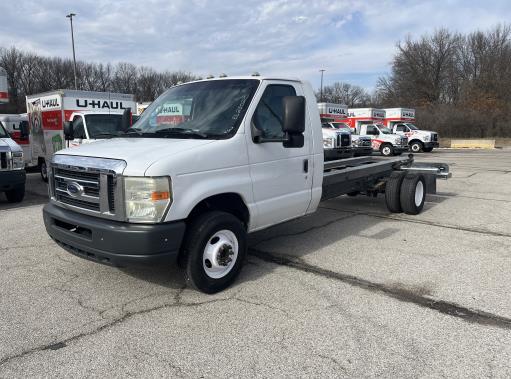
(400, 148)
(431, 145)
(112, 242)
(10, 180)
(362, 151)
(338, 153)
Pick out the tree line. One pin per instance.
(460, 84)
(29, 73)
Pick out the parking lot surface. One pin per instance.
(351, 290)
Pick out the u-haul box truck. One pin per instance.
(95, 115)
(4, 96)
(397, 115)
(362, 116)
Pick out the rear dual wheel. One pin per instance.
(405, 193)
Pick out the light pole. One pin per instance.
(321, 90)
(70, 16)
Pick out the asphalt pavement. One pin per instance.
(350, 291)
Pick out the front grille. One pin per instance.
(66, 199)
(434, 137)
(84, 189)
(345, 140)
(404, 141)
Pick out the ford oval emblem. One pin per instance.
(74, 189)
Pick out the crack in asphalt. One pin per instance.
(126, 315)
(430, 223)
(474, 316)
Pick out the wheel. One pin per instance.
(416, 147)
(43, 170)
(393, 191)
(15, 195)
(427, 149)
(215, 247)
(413, 194)
(386, 150)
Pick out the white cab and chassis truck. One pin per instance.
(12, 168)
(207, 163)
(92, 116)
(401, 121)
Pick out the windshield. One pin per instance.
(385, 130)
(412, 126)
(3, 132)
(210, 109)
(101, 125)
(341, 125)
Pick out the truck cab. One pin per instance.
(383, 139)
(361, 145)
(337, 141)
(418, 140)
(12, 172)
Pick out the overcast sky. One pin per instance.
(353, 40)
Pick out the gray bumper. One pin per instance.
(112, 242)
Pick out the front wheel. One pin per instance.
(386, 150)
(416, 147)
(215, 248)
(15, 195)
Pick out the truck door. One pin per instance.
(281, 177)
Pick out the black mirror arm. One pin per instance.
(261, 139)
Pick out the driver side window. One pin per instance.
(372, 130)
(401, 128)
(269, 113)
(78, 128)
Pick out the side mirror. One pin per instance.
(24, 130)
(294, 114)
(126, 119)
(68, 130)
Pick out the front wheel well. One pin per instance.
(227, 202)
(415, 140)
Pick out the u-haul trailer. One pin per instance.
(94, 115)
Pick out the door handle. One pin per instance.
(305, 165)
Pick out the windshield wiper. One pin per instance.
(106, 134)
(181, 131)
(133, 131)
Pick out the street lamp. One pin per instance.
(70, 16)
(321, 90)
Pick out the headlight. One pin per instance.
(328, 143)
(17, 160)
(147, 199)
(426, 138)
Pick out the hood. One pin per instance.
(140, 153)
(9, 143)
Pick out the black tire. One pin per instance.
(413, 194)
(416, 147)
(393, 191)
(43, 170)
(386, 150)
(427, 149)
(202, 231)
(15, 195)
